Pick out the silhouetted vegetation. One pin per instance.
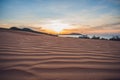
(84, 37)
(115, 38)
(15, 28)
(29, 30)
(22, 29)
(95, 37)
(103, 39)
(74, 34)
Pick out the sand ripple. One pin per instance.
(28, 56)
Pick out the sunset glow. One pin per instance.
(62, 16)
(56, 26)
(59, 39)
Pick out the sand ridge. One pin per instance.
(31, 56)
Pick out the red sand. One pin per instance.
(30, 56)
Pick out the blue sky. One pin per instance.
(80, 14)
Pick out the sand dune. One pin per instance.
(31, 56)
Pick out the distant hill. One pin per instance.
(27, 30)
(73, 34)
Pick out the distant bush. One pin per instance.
(103, 39)
(95, 37)
(15, 28)
(84, 37)
(21, 29)
(29, 30)
(115, 38)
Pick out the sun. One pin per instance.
(57, 26)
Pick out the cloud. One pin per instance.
(111, 26)
(83, 16)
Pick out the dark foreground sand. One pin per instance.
(29, 56)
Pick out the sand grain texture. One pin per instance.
(30, 56)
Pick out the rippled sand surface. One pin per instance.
(30, 56)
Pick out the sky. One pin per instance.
(63, 16)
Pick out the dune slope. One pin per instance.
(30, 56)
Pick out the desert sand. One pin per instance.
(31, 56)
